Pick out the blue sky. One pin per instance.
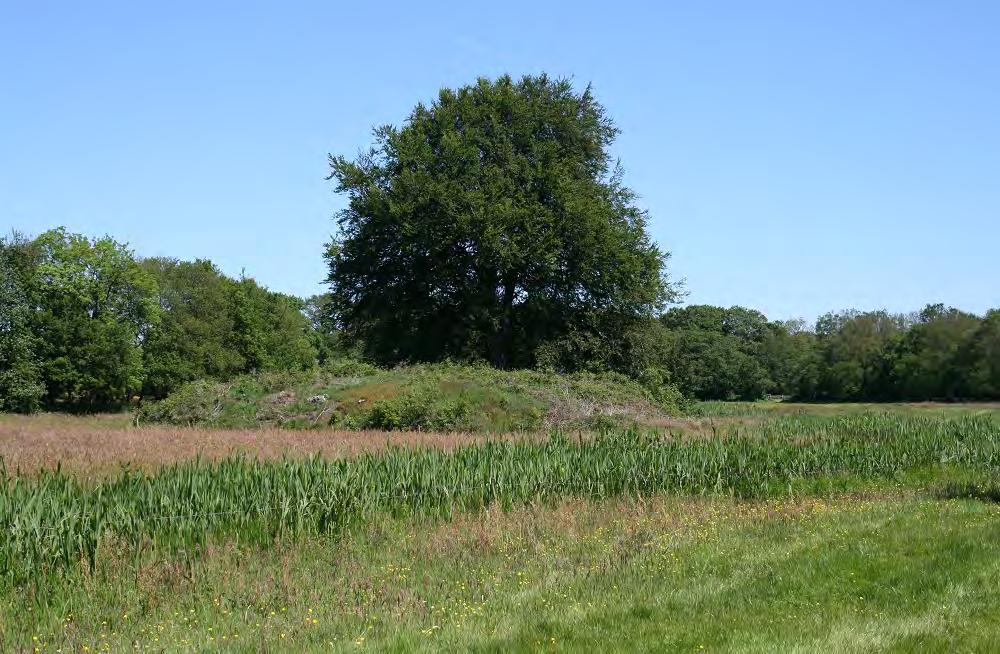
(794, 157)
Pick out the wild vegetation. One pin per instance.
(848, 573)
(494, 225)
(937, 353)
(165, 552)
(495, 299)
(54, 522)
(88, 325)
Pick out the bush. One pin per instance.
(346, 367)
(21, 390)
(195, 403)
(402, 412)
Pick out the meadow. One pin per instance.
(742, 528)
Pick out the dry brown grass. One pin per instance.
(99, 445)
(94, 446)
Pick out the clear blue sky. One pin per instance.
(795, 157)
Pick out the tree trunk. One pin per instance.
(502, 345)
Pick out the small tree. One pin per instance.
(491, 225)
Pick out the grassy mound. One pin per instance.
(438, 397)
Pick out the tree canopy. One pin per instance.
(21, 387)
(717, 353)
(493, 225)
(938, 353)
(89, 307)
(84, 324)
(215, 327)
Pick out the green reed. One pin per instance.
(53, 522)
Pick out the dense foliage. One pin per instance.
(21, 387)
(494, 226)
(85, 307)
(215, 327)
(84, 325)
(938, 353)
(716, 353)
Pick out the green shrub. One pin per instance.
(195, 403)
(401, 412)
(346, 367)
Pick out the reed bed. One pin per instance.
(54, 522)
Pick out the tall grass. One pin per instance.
(53, 522)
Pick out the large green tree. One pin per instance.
(21, 387)
(493, 225)
(92, 307)
(927, 362)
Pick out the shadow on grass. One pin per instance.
(984, 492)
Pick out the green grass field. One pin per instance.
(873, 572)
(864, 529)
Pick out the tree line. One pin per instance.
(938, 353)
(493, 225)
(85, 325)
